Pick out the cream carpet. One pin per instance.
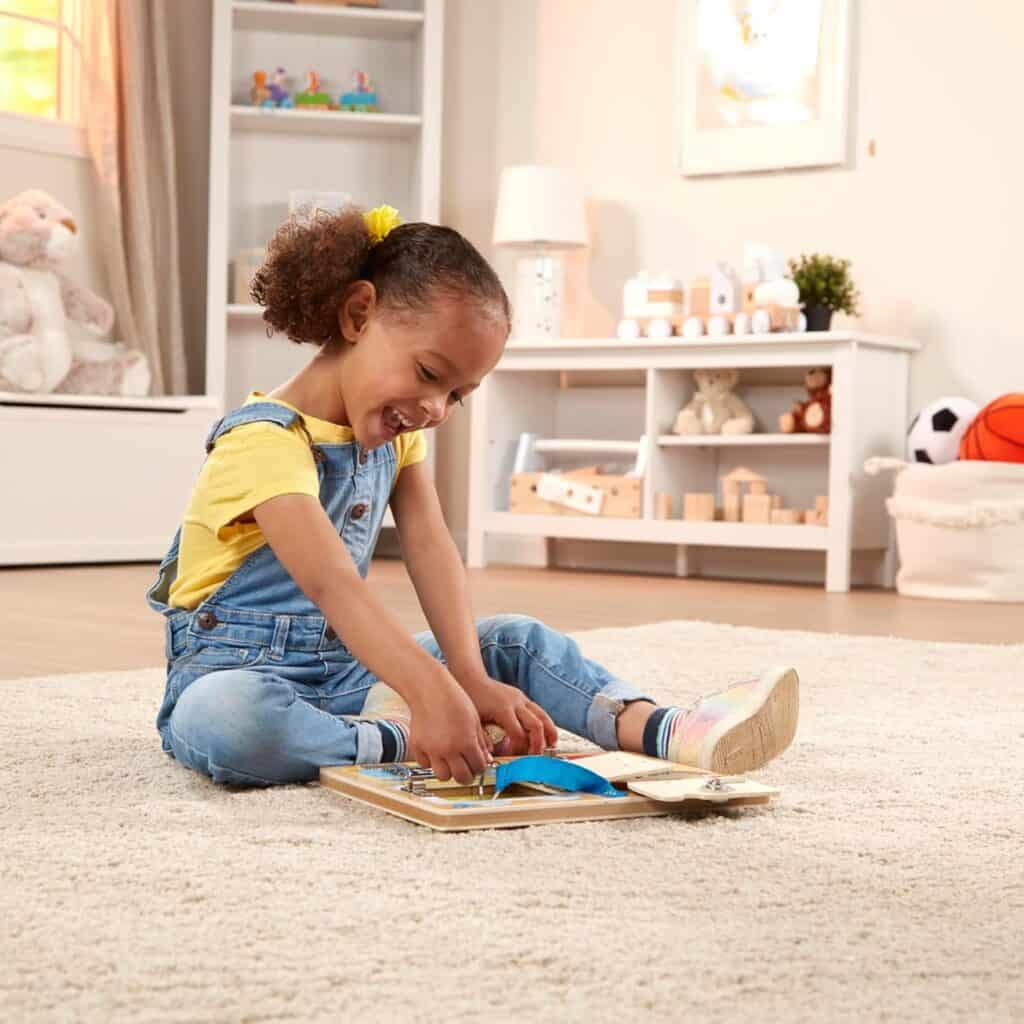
(886, 884)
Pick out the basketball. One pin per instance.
(997, 432)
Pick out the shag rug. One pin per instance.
(886, 883)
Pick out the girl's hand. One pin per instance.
(527, 725)
(446, 734)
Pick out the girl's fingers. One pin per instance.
(533, 725)
(513, 727)
(550, 729)
(462, 770)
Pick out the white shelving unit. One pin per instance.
(646, 383)
(258, 155)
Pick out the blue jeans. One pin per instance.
(261, 724)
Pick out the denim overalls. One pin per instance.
(258, 681)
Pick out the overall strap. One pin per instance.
(257, 412)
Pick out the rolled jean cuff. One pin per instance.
(369, 744)
(605, 710)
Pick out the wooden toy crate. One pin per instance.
(622, 494)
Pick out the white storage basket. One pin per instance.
(959, 528)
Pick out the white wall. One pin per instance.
(932, 222)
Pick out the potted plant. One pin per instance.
(825, 286)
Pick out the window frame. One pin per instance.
(62, 135)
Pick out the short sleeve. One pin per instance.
(415, 449)
(249, 465)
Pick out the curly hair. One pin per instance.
(313, 258)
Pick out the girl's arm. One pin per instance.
(439, 577)
(446, 732)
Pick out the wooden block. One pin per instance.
(757, 508)
(758, 487)
(776, 501)
(821, 503)
(810, 516)
(731, 510)
(731, 488)
(662, 505)
(786, 516)
(699, 507)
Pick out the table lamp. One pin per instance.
(540, 212)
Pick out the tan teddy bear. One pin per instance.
(46, 319)
(715, 409)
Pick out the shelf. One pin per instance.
(244, 311)
(742, 440)
(143, 403)
(808, 338)
(661, 531)
(323, 122)
(313, 19)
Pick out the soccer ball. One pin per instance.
(935, 432)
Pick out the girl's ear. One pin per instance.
(356, 310)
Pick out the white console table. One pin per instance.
(606, 390)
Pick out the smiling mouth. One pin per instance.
(395, 421)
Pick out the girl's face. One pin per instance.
(399, 375)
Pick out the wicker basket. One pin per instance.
(959, 528)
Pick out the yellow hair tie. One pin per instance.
(380, 222)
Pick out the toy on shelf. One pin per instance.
(814, 415)
(996, 434)
(817, 516)
(722, 305)
(699, 507)
(652, 307)
(756, 505)
(598, 490)
(259, 93)
(361, 98)
(311, 98)
(274, 94)
(714, 409)
(662, 505)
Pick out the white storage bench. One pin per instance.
(96, 479)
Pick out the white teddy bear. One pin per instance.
(715, 409)
(46, 319)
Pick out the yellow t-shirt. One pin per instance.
(248, 465)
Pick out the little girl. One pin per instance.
(280, 658)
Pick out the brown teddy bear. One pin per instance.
(813, 416)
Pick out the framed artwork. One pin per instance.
(762, 84)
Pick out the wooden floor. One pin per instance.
(94, 618)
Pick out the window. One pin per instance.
(39, 71)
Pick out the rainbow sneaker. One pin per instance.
(737, 729)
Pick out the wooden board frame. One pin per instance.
(447, 813)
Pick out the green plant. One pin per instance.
(825, 281)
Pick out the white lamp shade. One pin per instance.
(539, 206)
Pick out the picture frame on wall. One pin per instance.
(762, 85)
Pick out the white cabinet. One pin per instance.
(629, 390)
(97, 479)
(257, 155)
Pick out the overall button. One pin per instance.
(206, 620)
(362, 457)
(358, 511)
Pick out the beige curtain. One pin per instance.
(126, 112)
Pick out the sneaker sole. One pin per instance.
(758, 731)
